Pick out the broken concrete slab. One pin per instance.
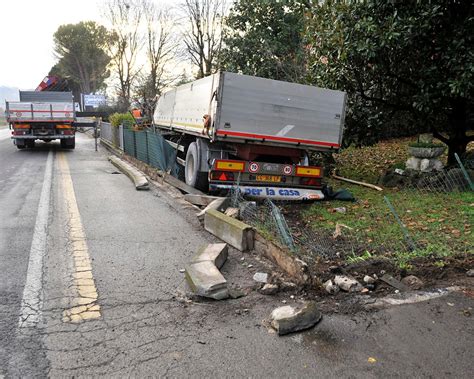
(140, 181)
(347, 283)
(220, 204)
(214, 252)
(390, 280)
(288, 319)
(234, 232)
(206, 280)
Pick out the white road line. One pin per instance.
(32, 301)
(5, 133)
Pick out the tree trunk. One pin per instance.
(457, 138)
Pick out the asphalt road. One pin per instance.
(90, 285)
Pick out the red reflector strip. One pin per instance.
(225, 133)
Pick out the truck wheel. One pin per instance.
(20, 146)
(193, 177)
(30, 143)
(68, 143)
(71, 143)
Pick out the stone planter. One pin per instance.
(426, 152)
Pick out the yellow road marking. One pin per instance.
(84, 305)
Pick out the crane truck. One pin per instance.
(42, 115)
(233, 129)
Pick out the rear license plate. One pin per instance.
(268, 178)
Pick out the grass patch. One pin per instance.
(439, 224)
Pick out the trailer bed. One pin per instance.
(248, 109)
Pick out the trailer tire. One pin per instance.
(30, 143)
(193, 176)
(20, 146)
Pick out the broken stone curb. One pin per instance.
(215, 252)
(219, 204)
(284, 259)
(228, 229)
(140, 181)
(203, 275)
(287, 319)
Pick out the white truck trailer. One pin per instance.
(42, 115)
(232, 128)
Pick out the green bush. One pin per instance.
(118, 119)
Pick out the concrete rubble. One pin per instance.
(269, 289)
(203, 275)
(369, 279)
(232, 212)
(412, 282)
(347, 284)
(261, 277)
(330, 287)
(290, 319)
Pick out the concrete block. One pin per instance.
(288, 319)
(234, 232)
(140, 181)
(206, 280)
(214, 252)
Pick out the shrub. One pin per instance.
(126, 119)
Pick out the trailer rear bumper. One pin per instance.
(55, 136)
(274, 193)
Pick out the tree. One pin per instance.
(202, 33)
(264, 38)
(160, 47)
(125, 17)
(407, 61)
(81, 50)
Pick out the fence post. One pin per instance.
(408, 239)
(463, 169)
(121, 137)
(147, 151)
(134, 144)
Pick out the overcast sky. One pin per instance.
(26, 30)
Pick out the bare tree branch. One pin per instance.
(125, 17)
(202, 35)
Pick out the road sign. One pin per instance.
(94, 100)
